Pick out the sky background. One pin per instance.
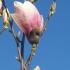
(53, 52)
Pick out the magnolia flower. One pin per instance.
(28, 19)
(37, 68)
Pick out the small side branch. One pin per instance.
(33, 50)
(20, 57)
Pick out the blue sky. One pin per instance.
(53, 52)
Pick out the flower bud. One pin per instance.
(53, 8)
(5, 18)
(37, 68)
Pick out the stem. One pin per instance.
(22, 46)
(20, 57)
(31, 56)
(29, 61)
(22, 51)
(23, 67)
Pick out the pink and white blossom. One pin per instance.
(27, 17)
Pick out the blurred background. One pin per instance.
(53, 52)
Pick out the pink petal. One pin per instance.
(0, 6)
(27, 17)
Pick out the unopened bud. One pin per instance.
(52, 9)
(33, 49)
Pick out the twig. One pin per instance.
(22, 51)
(29, 61)
(31, 56)
(20, 58)
(22, 45)
(50, 14)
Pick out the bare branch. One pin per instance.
(34, 46)
(22, 45)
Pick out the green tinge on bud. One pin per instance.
(53, 8)
(5, 25)
(33, 49)
(34, 36)
(18, 35)
(6, 17)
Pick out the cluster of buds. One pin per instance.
(30, 21)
